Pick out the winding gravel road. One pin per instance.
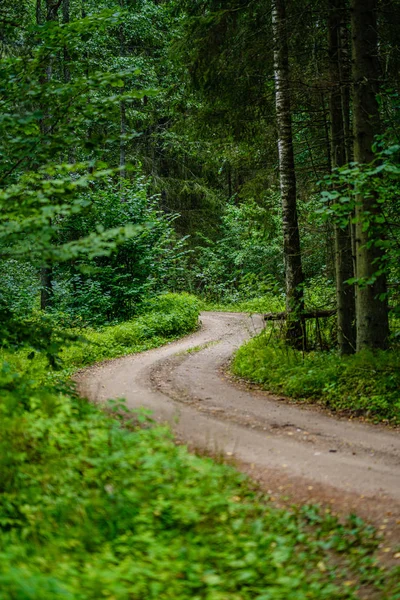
(297, 453)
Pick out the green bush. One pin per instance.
(111, 287)
(245, 261)
(19, 286)
(168, 317)
(366, 384)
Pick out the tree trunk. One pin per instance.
(345, 79)
(65, 20)
(46, 292)
(345, 295)
(122, 149)
(372, 307)
(52, 7)
(46, 272)
(229, 173)
(122, 143)
(292, 251)
(38, 12)
(66, 61)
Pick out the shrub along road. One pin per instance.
(297, 453)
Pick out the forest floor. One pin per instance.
(297, 454)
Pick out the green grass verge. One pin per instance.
(167, 317)
(366, 384)
(104, 505)
(267, 303)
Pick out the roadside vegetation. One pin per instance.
(98, 504)
(140, 182)
(163, 319)
(101, 503)
(267, 303)
(365, 385)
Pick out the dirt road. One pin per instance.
(297, 453)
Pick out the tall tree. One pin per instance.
(292, 251)
(51, 14)
(67, 58)
(345, 77)
(371, 305)
(122, 108)
(52, 7)
(343, 246)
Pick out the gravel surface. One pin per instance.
(296, 453)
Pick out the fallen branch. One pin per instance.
(308, 314)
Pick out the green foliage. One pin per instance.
(319, 294)
(366, 384)
(109, 287)
(47, 116)
(106, 505)
(19, 286)
(262, 304)
(245, 261)
(378, 180)
(166, 317)
(95, 506)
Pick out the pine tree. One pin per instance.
(343, 244)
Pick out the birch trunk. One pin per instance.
(292, 251)
(371, 307)
(345, 295)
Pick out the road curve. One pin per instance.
(294, 451)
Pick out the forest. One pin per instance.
(209, 168)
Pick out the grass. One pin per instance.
(267, 303)
(366, 384)
(97, 507)
(168, 317)
(319, 293)
(100, 504)
(198, 348)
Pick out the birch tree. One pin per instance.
(292, 252)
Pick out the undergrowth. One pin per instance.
(267, 303)
(319, 294)
(103, 504)
(165, 318)
(98, 507)
(366, 384)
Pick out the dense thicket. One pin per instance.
(231, 64)
(204, 146)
